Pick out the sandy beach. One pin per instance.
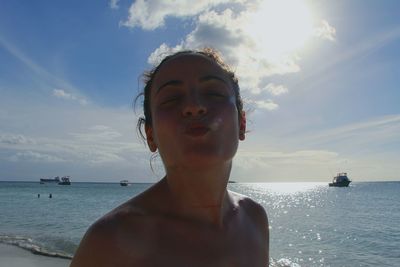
(12, 256)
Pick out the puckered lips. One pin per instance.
(196, 129)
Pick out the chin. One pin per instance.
(199, 159)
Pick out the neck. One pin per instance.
(201, 193)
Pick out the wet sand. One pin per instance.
(12, 256)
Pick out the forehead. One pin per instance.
(188, 65)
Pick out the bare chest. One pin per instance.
(174, 244)
(207, 248)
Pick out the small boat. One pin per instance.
(340, 180)
(124, 183)
(50, 180)
(65, 180)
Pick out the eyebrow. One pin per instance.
(172, 82)
(202, 79)
(212, 77)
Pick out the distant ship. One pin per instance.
(50, 180)
(65, 180)
(340, 180)
(124, 183)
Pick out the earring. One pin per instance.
(152, 146)
(242, 135)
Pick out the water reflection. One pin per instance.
(296, 216)
(290, 188)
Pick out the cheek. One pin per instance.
(164, 125)
(227, 116)
(216, 124)
(226, 123)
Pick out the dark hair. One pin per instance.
(148, 78)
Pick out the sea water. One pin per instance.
(311, 224)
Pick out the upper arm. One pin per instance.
(263, 225)
(264, 228)
(117, 239)
(259, 217)
(96, 248)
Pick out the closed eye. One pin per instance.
(216, 94)
(215, 88)
(170, 100)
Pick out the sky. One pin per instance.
(320, 81)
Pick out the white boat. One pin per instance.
(124, 183)
(50, 180)
(340, 180)
(65, 180)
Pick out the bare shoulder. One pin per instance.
(255, 213)
(120, 234)
(251, 207)
(100, 245)
(256, 216)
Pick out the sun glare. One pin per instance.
(280, 27)
(293, 188)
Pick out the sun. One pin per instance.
(280, 27)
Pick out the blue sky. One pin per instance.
(320, 81)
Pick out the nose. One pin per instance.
(194, 107)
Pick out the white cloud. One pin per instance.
(276, 89)
(162, 51)
(375, 131)
(13, 50)
(267, 105)
(99, 128)
(97, 133)
(15, 139)
(291, 165)
(224, 31)
(368, 150)
(97, 148)
(273, 157)
(326, 31)
(90, 142)
(60, 93)
(151, 14)
(271, 88)
(114, 4)
(249, 46)
(34, 157)
(44, 76)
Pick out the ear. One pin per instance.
(242, 126)
(150, 138)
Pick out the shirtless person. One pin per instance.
(194, 119)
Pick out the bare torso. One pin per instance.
(142, 233)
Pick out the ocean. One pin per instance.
(311, 224)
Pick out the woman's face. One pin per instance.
(195, 120)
